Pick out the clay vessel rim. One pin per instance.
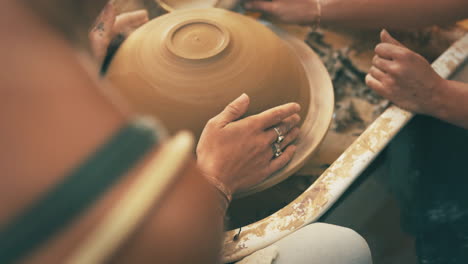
(224, 34)
(169, 8)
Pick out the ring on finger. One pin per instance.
(277, 150)
(280, 135)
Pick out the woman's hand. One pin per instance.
(108, 26)
(404, 77)
(239, 153)
(289, 11)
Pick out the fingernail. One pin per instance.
(298, 106)
(244, 97)
(385, 32)
(382, 33)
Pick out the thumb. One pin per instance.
(387, 38)
(100, 35)
(235, 110)
(263, 6)
(128, 22)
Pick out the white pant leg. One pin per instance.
(323, 244)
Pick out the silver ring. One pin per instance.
(277, 150)
(280, 136)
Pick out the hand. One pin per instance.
(109, 25)
(289, 11)
(238, 152)
(404, 77)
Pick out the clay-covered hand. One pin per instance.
(108, 25)
(404, 77)
(238, 153)
(289, 11)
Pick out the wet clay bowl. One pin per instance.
(172, 5)
(186, 66)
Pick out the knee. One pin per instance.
(328, 244)
(344, 243)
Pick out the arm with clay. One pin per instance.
(395, 14)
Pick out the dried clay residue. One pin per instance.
(356, 104)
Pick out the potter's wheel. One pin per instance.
(176, 68)
(319, 115)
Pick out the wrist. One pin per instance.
(222, 189)
(439, 105)
(214, 180)
(223, 201)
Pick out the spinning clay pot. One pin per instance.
(185, 67)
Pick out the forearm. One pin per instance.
(453, 106)
(52, 112)
(393, 14)
(187, 225)
(55, 116)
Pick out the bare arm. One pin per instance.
(453, 107)
(52, 116)
(400, 14)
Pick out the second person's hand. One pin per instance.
(405, 77)
(108, 25)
